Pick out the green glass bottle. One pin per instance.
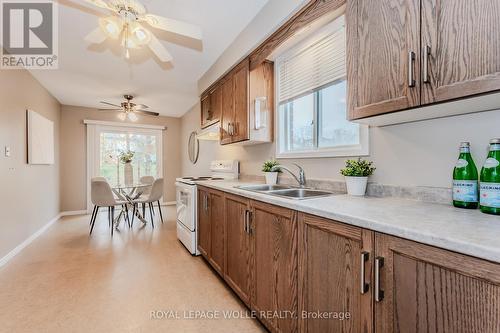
(465, 187)
(490, 181)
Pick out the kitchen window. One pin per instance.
(312, 91)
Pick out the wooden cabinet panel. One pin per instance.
(274, 274)
(215, 104)
(382, 35)
(330, 275)
(217, 231)
(432, 290)
(227, 114)
(203, 223)
(463, 37)
(206, 113)
(237, 268)
(241, 105)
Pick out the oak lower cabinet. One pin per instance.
(426, 289)
(211, 227)
(274, 267)
(335, 276)
(237, 267)
(204, 227)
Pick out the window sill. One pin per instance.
(325, 153)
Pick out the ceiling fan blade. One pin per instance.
(148, 113)
(99, 3)
(141, 106)
(107, 103)
(159, 50)
(110, 110)
(96, 36)
(177, 27)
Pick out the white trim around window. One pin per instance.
(310, 66)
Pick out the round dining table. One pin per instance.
(129, 193)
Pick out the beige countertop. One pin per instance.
(461, 230)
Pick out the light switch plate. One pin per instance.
(7, 151)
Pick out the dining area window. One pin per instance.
(143, 145)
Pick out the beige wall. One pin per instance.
(414, 154)
(74, 152)
(268, 20)
(29, 195)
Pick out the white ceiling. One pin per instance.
(88, 74)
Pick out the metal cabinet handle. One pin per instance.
(411, 69)
(247, 226)
(364, 287)
(427, 53)
(205, 203)
(379, 293)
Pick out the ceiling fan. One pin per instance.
(128, 109)
(126, 23)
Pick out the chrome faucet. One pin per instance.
(301, 179)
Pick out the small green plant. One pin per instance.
(126, 156)
(268, 166)
(357, 168)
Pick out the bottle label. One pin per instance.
(465, 190)
(490, 195)
(491, 163)
(461, 163)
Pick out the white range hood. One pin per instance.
(211, 133)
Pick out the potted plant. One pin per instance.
(356, 174)
(126, 158)
(270, 173)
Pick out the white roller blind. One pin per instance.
(314, 65)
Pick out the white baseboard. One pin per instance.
(28, 240)
(74, 212)
(169, 203)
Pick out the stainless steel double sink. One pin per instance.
(285, 191)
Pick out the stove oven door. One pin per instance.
(186, 205)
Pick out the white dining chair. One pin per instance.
(154, 196)
(101, 195)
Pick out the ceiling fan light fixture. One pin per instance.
(111, 26)
(122, 116)
(132, 116)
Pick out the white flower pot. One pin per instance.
(271, 178)
(356, 185)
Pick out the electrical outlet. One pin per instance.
(7, 151)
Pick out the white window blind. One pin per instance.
(314, 66)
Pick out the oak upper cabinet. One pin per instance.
(217, 230)
(237, 267)
(204, 222)
(425, 289)
(460, 48)
(383, 39)
(211, 106)
(239, 123)
(246, 100)
(335, 276)
(274, 274)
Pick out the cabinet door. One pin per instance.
(274, 274)
(462, 39)
(203, 223)
(335, 278)
(241, 105)
(217, 231)
(237, 270)
(426, 289)
(383, 56)
(227, 115)
(206, 114)
(215, 104)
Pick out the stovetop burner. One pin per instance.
(203, 178)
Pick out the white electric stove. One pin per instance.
(187, 203)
